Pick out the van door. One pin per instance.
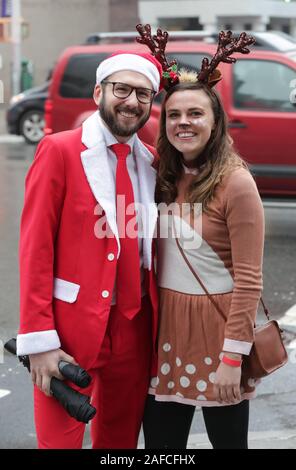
(72, 90)
(262, 120)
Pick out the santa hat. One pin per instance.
(143, 63)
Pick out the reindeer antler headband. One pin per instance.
(157, 44)
(209, 74)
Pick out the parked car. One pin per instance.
(25, 115)
(265, 40)
(257, 93)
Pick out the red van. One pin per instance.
(258, 93)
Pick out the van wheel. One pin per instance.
(32, 126)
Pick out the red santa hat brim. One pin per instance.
(142, 63)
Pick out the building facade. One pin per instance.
(211, 15)
(53, 25)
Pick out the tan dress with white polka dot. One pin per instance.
(225, 247)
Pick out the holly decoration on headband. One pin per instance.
(171, 74)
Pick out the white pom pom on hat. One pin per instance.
(143, 63)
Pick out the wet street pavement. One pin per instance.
(273, 413)
(15, 159)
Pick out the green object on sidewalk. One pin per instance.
(26, 75)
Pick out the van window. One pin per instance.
(263, 85)
(79, 77)
(80, 73)
(187, 61)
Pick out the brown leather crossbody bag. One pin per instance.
(268, 352)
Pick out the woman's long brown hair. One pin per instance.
(217, 159)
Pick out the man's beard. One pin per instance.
(115, 127)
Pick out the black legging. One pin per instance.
(167, 425)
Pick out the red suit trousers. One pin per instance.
(120, 380)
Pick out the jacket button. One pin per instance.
(105, 294)
(111, 257)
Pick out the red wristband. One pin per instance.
(231, 362)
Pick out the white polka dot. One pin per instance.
(201, 385)
(178, 361)
(208, 361)
(201, 397)
(184, 381)
(251, 382)
(212, 377)
(178, 394)
(171, 385)
(165, 368)
(154, 382)
(190, 369)
(166, 347)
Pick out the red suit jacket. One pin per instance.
(67, 273)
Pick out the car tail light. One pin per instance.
(48, 117)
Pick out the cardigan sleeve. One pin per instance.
(44, 196)
(245, 222)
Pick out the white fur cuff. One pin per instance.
(37, 342)
(239, 347)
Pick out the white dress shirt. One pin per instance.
(132, 171)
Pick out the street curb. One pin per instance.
(11, 139)
(201, 441)
(4, 393)
(288, 321)
(257, 439)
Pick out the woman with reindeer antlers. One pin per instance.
(209, 260)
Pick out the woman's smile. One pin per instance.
(186, 135)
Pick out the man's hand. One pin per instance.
(44, 366)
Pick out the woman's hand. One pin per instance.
(227, 383)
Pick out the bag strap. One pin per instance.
(219, 310)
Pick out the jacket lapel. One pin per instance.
(147, 180)
(99, 176)
(97, 170)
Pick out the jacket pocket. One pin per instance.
(65, 290)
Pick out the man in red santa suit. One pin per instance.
(88, 291)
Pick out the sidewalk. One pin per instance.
(3, 127)
(272, 413)
(257, 440)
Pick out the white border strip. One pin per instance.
(4, 393)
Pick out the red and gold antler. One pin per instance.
(227, 46)
(157, 44)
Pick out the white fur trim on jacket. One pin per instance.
(37, 342)
(65, 290)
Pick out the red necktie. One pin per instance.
(128, 281)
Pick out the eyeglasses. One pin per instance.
(122, 91)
